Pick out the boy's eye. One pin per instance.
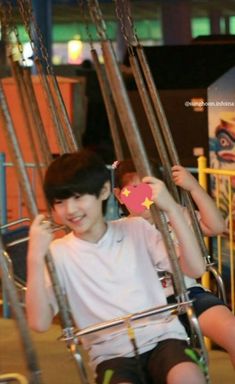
(57, 202)
(77, 196)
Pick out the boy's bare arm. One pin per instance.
(212, 222)
(190, 256)
(39, 312)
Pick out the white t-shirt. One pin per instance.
(189, 281)
(112, 278)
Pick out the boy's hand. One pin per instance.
(183, 178)
(160, 194)
(40, 235)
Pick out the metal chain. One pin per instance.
(131, 21)
(123, 13)
(60, 117)
(13, 28)
(34, 33)
(6, 16)
(38, 36)
(84, 15)
(97, 18)
(3, 15)
(26, 20)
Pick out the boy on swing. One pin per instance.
(107, 270)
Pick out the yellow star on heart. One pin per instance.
(126, 192)
(147, 203)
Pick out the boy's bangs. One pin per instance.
(85, 185)
(63, 193)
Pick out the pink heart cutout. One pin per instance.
(137, 198)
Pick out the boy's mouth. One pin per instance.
(76, 219)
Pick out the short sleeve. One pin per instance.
(156, 247)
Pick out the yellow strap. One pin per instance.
(13, 377)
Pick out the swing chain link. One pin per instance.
(14, 29)
(26, 20)
(122, 9)
(97, 18)
(6, 17)
(34, 33)
(84, 16)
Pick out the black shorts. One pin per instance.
(151, 367)
(203, 300)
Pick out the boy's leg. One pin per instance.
(170, 364)
(121, 370)
(203, 300)
(215, 319)
(218, 323)
(185, 373)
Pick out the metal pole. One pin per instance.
(3, 189)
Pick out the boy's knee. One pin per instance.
(180, 373)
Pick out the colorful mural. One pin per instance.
(221, 123)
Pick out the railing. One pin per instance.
(222, 186)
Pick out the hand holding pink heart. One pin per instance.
(137, 198)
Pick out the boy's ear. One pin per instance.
(117, 194)
(106, 190)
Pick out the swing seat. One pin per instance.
(16, 244)
(219, 281)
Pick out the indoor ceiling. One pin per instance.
(140, 10)
(68, 10)
(65, 11)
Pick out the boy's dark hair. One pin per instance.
(127, 166)
(123, 167)
(81, 172)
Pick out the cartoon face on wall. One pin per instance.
(222, 145)
(221, 132)
(225, 138)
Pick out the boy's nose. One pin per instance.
(70, 206)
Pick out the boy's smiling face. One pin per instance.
(83, 214)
